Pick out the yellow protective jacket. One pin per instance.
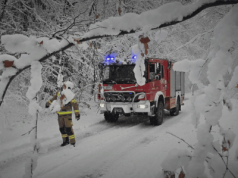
(66, 110)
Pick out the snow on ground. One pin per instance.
(129, 148)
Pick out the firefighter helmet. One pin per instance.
(69, 85)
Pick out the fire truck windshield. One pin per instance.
(119, 74)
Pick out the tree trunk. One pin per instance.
(3, 4)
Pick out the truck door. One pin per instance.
(160, 75)
(156, 75)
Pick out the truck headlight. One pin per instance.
(141, 97)
(102, 105)
(142, 106)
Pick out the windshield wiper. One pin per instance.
(109, 80)
(130, 80)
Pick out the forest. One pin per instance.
(46, 42)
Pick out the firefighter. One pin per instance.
(65, 115)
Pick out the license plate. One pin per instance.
(118, 110)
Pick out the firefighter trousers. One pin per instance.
(65, 127)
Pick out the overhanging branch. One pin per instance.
(21, 70)
(198, 10)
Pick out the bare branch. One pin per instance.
(227, 168)
(71, 25)
(29, 131)
(182, 140)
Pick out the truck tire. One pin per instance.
(159, 115)
(175, 111)
(109, 117)
(114, 117)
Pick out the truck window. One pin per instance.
(162, 71)
(152, 71)
(159, 71)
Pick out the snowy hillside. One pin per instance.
(129, 148)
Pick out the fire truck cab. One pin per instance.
(119, 93)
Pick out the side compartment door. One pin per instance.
(172, 88)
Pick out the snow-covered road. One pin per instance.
(120, 150)
(130, 148)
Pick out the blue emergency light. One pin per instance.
(109, 59)
(133, 58)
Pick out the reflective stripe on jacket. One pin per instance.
(67, 112)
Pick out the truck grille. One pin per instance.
(119, 96)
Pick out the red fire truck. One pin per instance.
(119, 94)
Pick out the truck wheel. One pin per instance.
(159, 115)
(114, 117)
(109, 117)
(175, 111)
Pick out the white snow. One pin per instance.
(140, 66)
(107, 150)
(147, 20)
(69, 95)
(193, 67)
(234, 80)
(32, 48)
(55, 106)
(5, 77)
(4, 57)
(130, 148)
(33, 109)
(69, 84)
(212, 100)
(161, 35)
(175, 159)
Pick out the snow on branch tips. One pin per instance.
(30, 49)
(193, 67)
(36, 82)
(210, 104)
(165, 15)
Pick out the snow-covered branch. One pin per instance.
(5, 85)
(163, 16)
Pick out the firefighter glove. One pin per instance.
(77, 117)
(46, 105)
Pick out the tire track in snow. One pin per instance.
(20, 154)
(111, 142)
(118, 140)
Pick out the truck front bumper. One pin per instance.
(125, 108)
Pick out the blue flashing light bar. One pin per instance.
(133, 58)
(109, 59)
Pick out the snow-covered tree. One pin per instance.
(64, 26)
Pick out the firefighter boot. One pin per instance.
(66, 142)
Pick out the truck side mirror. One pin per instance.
(158, 77)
